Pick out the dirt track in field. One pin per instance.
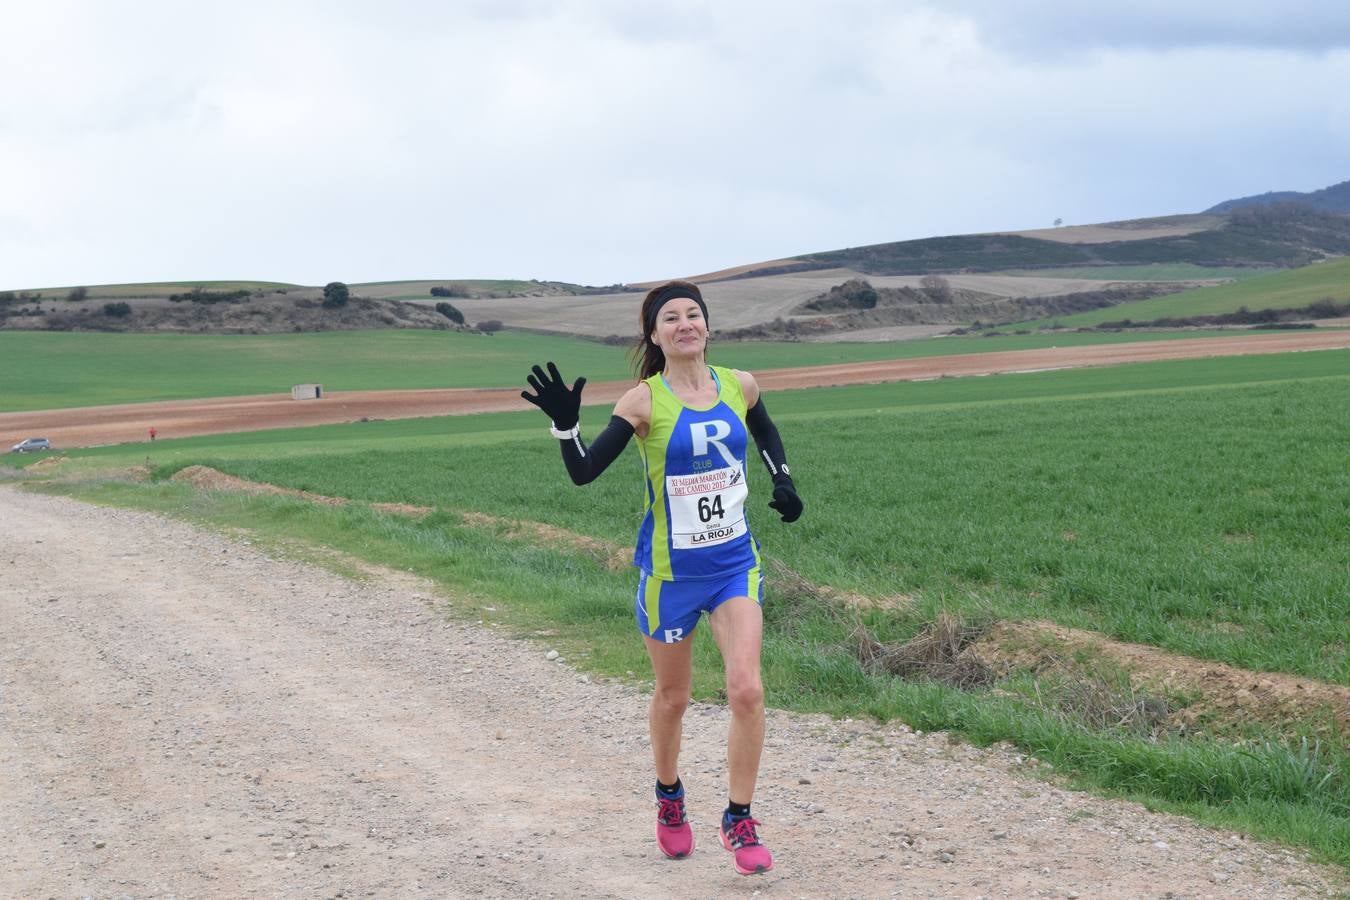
(184, 715)
(1124, 231)
(90, 426)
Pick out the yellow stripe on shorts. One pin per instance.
(651, 599)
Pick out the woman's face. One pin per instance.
(681, 330)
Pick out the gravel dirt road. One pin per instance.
(88, 426)
(182, 714)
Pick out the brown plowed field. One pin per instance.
(91, 426)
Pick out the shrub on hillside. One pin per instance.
(1327, 308)
(856, 293)
(490, 326)
(119, 310)
(452, 291)
(77, 294)
(859, 293)
(335, 295)
(937, 287)
(450, 313)
(200, 295)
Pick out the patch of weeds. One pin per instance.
(796, 599)
(1106, 703)
(938, 652)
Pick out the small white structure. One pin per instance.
(306, 392)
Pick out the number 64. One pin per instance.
(707, 509)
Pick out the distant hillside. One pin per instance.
(1328, 281)
(1334, 199)
(143, 290)
(215, 312)
(857, 304)
(256, 307)
(1260, 236)
(380, 290)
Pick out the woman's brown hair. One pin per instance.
(648, 358)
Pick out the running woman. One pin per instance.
(694, 547)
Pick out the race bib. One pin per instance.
(707, 508)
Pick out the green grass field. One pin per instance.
(1199, 506)
(1274, 290)
(52, 370)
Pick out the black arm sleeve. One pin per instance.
(584, 463)
(767, 440)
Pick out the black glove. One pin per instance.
(561, 405)
(785, 499)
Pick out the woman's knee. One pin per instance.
(745, 693)
(670, 702)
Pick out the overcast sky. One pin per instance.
(597, 141)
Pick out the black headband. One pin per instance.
(673, 292)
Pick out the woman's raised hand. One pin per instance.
(785, 500)
(560, 403)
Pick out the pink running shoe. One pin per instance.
(673, 834)
(738, 836)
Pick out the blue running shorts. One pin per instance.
(669, 610)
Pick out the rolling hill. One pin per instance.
(1329, 199)
(996, 277)
(1291, 289)
(1286, 237)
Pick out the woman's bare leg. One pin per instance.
(738, 628)
(673, 666)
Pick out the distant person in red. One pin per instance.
(152, 432)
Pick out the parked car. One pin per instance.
(31, 445)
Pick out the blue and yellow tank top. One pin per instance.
(695, 527)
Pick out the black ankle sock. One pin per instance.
(670, 790)
(738, 810)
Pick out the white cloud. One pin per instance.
(598, 141)
(1071, 26)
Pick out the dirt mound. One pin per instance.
(1223, 695)
(615, 556)
(207, 478)
(612, 555)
